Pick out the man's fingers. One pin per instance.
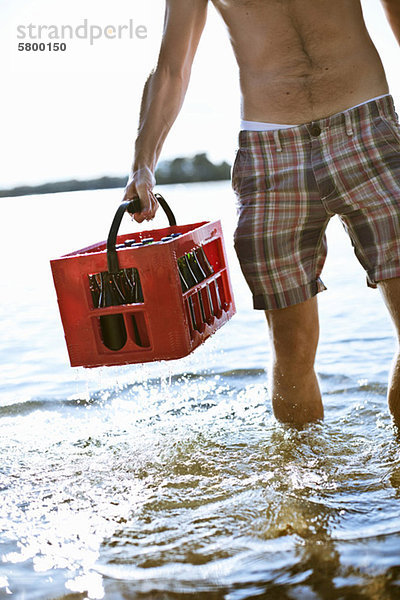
(141, 187)
(130, 192)
(149, 206)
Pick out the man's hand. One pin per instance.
(140, 184)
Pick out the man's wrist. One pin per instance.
(142, 166)
(142, 174)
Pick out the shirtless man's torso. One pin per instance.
(301, 60)
(310, 73)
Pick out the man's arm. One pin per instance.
(163, 96)
(392, 10)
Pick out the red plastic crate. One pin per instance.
(163, 322)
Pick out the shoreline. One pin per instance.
(179, 170)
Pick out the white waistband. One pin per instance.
(261, 126)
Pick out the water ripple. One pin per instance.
(185, 485)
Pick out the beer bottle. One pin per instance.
(128, 286)
(94, 290)
(182, 270)
(186, 272)
(208, 270)
(203, 261)
(117, 289)
(198, 276)
(195, 267)
(192, 313)
(112, 326)
(203, 314)
(184, 285)
(138, 286)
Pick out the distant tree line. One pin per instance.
(185, 170)
(178, 170)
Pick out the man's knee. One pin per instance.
(296, 352)
(294, 334)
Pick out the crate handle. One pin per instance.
(132, 206)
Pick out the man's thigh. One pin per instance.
(369, 206)
(279, 239)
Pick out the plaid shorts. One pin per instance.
(290, 182)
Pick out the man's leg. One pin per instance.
(294, 331)
(390, 289)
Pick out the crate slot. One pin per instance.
(189, 315)
(195, 299)
(216, 300)
(117, 289)
(113, 331)
(220, 284)
(137, 329)
(207, 304)
(215, 255)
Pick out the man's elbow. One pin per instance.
(173, 71)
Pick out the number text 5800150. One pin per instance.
(42, 47)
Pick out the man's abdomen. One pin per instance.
(283, 97)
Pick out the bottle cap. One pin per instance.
(129, 242)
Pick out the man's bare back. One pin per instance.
(301, 60)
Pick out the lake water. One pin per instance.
(173, 480)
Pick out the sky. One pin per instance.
(74, 114)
